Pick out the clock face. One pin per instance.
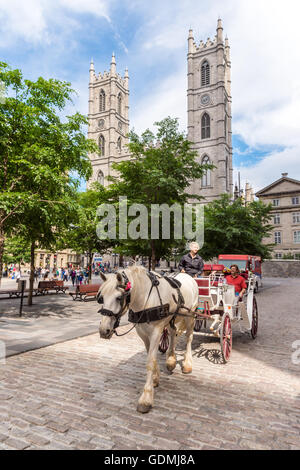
(101, 123)
(205, 100)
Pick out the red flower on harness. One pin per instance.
(128, 286)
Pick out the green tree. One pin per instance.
(17, 251)
(160, 172)
(81, 234)
(233, 228)
(40, 152)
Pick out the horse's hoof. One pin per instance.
(171, 364)
(143, 408)
(186, 370)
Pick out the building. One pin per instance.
(284, 195)
(209, 115)
(209, 112)
(108, 119)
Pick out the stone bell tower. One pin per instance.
(108, 119)
(209, 112)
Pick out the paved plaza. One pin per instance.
(82, 393)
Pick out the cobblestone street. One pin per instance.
(82, 393)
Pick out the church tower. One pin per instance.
(108, 120)
(209, 112)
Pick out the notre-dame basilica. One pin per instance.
(208, 107)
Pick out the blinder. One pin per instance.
(126, 296)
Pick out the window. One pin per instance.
(119, 144)
(102, 145)
(275, 202)
(205, 126)
(206, 177)
(277, 238)
(297, 236)
(102, 101)
(100, 177)
(205, 74)
(296, 218)
(295, 201)
(225, 127)
(278, 255)
(120, 103)
(276, 219)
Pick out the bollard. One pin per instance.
(23, 283)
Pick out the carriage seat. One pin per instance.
(203, 286)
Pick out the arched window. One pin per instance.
(102, 145)
(100, 177)
(206, 177)
(119, 144)
(102, 101)
(120, 103)
(205, 126)
(205, 74)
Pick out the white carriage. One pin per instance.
(221, 309)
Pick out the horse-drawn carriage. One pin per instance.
(219, 309)
(162, 308)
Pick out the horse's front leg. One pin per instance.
(187, 365)
(145, 402)
(171, 356)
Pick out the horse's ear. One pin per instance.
(104, 278)
(119, 278)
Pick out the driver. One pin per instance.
(192, 263)
(237, 281)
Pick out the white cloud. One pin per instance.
(270, 168)
(34, 20)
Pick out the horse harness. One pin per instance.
(150, 314)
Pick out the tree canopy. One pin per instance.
(231, 227)
(40, 151)
(160, 171)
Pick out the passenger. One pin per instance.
(237, 281)
(192, 263)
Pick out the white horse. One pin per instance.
(133, 289)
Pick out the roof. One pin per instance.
(275, 183)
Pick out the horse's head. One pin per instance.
(114, 295)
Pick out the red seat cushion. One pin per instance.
(203, 291)
(202, 282)
(218, 267)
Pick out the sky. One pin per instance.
(58, 38)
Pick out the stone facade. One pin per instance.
(108, 120)
(284, 195)
(209, 112)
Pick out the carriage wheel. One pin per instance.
(226, 337)
(254, 319)
(164, 341)
(198, 325)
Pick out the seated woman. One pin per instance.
(237, 281)
(192, 263)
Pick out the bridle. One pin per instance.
(124, 302)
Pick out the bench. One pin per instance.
(85, 291)
(45, 286)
